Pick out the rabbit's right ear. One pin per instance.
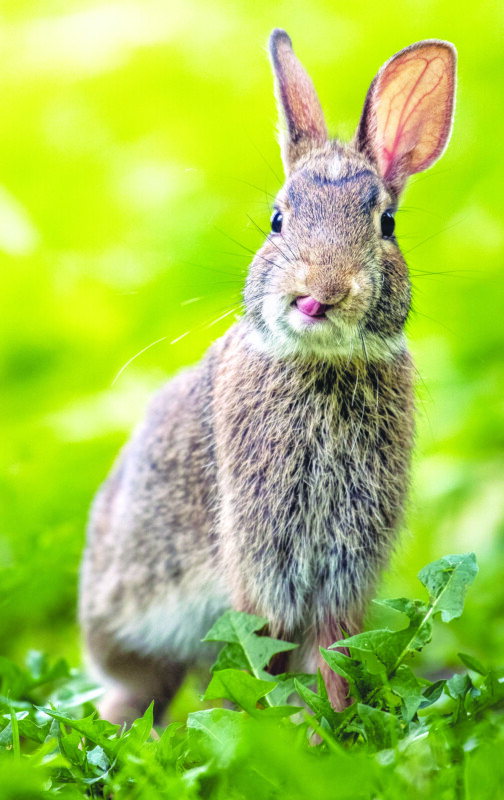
(407, 117)
(298, 102)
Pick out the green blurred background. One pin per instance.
(135, 139)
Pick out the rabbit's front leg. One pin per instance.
(310, 658)
(327, 634)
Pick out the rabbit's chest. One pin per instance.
(313, 473)
(308, 504)
(321, 536)
(326, 509)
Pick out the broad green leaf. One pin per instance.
(241, 688)
(447, 581)
(72, 699)
(321, 687)
(285, 685)
(169, 745)
(461, 689)
(432, 693)
(391, 647)
(458, 686)
(211, 720)
(98, 758)
(98, 731)
(27, 728)
(71, 746)
(280, 711)
(235, 626)
(381, 730)
(472, 664)
(140, 730)
(418, 614)
(404, 684)
(244, 648)
(320, 706)
(381, 643)
(218, 731)
(231, 656)
(6, 736)
(6, 704)
(361, 682)
(491, 693)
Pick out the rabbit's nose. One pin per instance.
(327, 299)
(312, 307)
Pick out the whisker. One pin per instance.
(420, 177)
(359, 329)
(257, 255)
(458, 273)
(174, 341)
(351, 350)
(206, 323)
(230, 253)
(418, 210)
(373, 328)
(252, 252)
(265, 160)
(433, 236)
(215, 321)
(235, 241)
(163, 338)
(272, 241)
(432, 319)
(253, 186)
(210, 268)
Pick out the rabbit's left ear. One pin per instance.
(298, 102)
(407, 117)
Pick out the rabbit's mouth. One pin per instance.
(311, 309)
(300, 325)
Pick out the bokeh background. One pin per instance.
(136, 138)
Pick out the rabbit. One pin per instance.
(272, 476)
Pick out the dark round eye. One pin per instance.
(387, 224)
(276, 221)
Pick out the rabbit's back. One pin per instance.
(150, 551)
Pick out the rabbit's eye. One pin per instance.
(276, 221)
(387, 224)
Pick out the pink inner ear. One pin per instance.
(413, 105)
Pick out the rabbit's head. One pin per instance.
(330, 279)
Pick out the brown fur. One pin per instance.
(272, 476)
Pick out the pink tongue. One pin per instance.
(310, 306)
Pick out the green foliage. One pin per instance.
(401, 735)
(246, 651)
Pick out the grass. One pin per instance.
(402, 734)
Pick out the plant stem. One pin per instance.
(15, 734)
